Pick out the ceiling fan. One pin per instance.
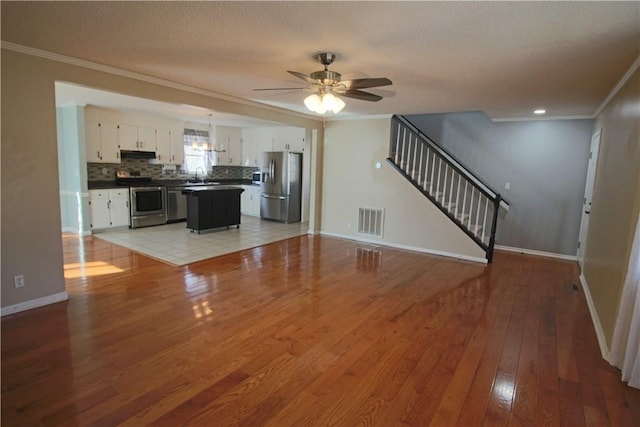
(326, 84)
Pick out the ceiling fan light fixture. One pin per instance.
(313, 102)
(329, 101)
(339, 105)
(322, 104)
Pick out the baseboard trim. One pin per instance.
(538, 253)
(602, 342)
(405, 247)
(34, 303)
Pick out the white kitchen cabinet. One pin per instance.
(137, 138)
(289, 139)
(250, 200)
(265, 144)
(119, 207)
(177, 147)
(170, 147)
(250, 150)
(245, 200)
(228, 146)
(295, 140)
(101, 139)
(99, 204)
(163, 146)
(109, 208)
(255, 200)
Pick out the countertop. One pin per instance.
(199, 188)
(99, 185)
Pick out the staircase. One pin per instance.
(469, 202)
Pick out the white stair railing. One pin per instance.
(461, 195)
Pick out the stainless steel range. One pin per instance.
(148, 199)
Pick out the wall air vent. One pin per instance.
(371, 221)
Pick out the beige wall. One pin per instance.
(616, 202)
(31, 242)
(351, 180)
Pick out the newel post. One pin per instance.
(494, 224)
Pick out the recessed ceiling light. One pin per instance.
(539, 111)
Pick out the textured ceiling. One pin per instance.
(504, 58)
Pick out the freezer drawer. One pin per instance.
(279, 208)
(274, 207)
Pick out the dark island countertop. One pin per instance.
(203, 188)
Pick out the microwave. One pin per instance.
(256, 177)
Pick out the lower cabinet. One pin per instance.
(109, 208)
(213, 208)
(250, 200)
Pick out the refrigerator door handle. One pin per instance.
(267, 196)
(273, 171)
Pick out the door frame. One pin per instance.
(590, 181)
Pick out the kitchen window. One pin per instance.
(198, 152)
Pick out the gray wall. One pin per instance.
(545, 162)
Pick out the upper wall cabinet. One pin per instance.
(276, 139)
(228, 146)
(170, 147)
(250, 147)
(177, 146)
(102, 142)
(137, 138)
(293, 139)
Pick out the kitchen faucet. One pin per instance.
(197, 173)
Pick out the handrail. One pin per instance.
(462, 196)
(451, 160)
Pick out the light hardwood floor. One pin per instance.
(310, 331)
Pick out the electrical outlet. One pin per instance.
(18, 281)
(105, 171)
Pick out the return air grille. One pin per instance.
(371, 221)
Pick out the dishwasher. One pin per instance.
(176, 205)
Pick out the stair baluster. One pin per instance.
(439, 176)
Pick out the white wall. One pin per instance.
(72, 170)
(351, 180)
(616, 202)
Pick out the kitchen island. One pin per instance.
(212, 206)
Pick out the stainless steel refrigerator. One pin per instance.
(281, 186)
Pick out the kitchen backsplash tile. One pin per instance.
(107, 171)
(232, 172)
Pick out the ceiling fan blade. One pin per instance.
(365, 83)
(280, 88)
(383, 92)
(302, 76)
(360, 94)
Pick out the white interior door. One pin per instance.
(588, 193)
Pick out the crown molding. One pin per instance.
(541, 119)
(617, 87)
(145, 78)
(359, 117)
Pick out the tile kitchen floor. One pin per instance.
(175, 244)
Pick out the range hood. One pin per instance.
(130, 154)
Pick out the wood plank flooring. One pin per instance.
(310, 331)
